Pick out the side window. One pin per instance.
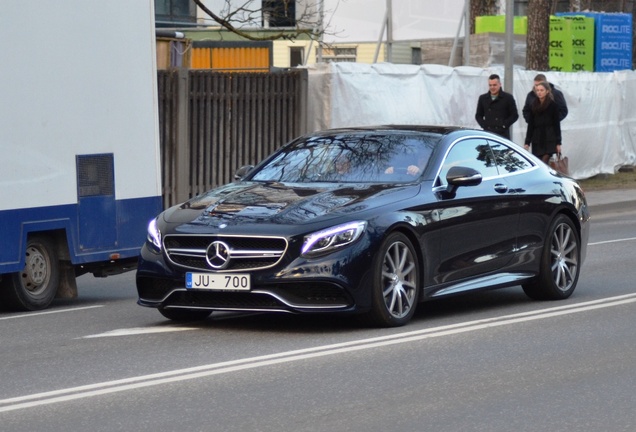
(508, 159)
(472, 153)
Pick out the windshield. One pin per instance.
(368, 157)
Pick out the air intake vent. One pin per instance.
(95, 175)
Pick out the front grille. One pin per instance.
(313, 294)
(245, 253)
(224, 300)
(291, 297)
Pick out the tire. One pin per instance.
(559, 270)
(178, 314)
(35, 286)
(396, 286)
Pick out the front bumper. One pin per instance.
(340, 282)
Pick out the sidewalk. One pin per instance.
(606, 199)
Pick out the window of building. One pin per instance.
(416, 56)
(175, 13)
(296, 56)
(279, 13)
(339, 54)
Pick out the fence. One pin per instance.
(211, 123)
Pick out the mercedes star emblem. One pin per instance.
(218, 255)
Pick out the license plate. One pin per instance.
(218, 282)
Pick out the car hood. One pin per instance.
(278, 203)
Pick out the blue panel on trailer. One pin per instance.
(15, 224)
(97, 223)
(132, 217)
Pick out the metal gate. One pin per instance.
(211, 123)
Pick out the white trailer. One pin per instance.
(79, 142)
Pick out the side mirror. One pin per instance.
(460, 176)
(242, 172)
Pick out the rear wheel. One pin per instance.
(35, 286)
(179, 314)
(395, 282)
(560, 267)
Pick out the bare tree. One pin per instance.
(553, 7)
(538, 35)
(290, 19)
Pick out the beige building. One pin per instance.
(363, 31)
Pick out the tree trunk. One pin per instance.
(538, 35)
(481, 8)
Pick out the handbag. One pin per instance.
(560, 164)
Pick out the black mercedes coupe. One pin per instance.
(372, 221)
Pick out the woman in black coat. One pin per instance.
(544, 124)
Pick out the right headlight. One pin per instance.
(332, 238)
(154, 235)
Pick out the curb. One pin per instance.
(611, 200)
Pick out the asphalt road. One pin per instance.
(490, 361)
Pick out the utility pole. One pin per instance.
(321, 28)
(389, 31)
(509, 41)
(466, 53)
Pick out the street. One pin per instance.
(488, 361)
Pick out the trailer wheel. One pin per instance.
(35, 286)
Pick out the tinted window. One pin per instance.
(399, 157)
(508, 159)
(472, 153)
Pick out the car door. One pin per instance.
(532, 197)
(477, 224)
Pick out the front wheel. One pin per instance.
(560, 263)
(35, 286)
(395, 282)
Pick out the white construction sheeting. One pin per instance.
(349, 21)
(356, 21)
(599, 133)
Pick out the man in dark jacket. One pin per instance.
(562, 106)
(496, 110)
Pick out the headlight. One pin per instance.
(332, 238)
(154, 235)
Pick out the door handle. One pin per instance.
(501, 188)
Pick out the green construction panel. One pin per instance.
(560, 51)
(497, 24)
(490, 24)
(582, 43)
(521, 25)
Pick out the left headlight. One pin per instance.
(327, 240)
(154, 235)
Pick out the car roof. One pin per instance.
(434, 129)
